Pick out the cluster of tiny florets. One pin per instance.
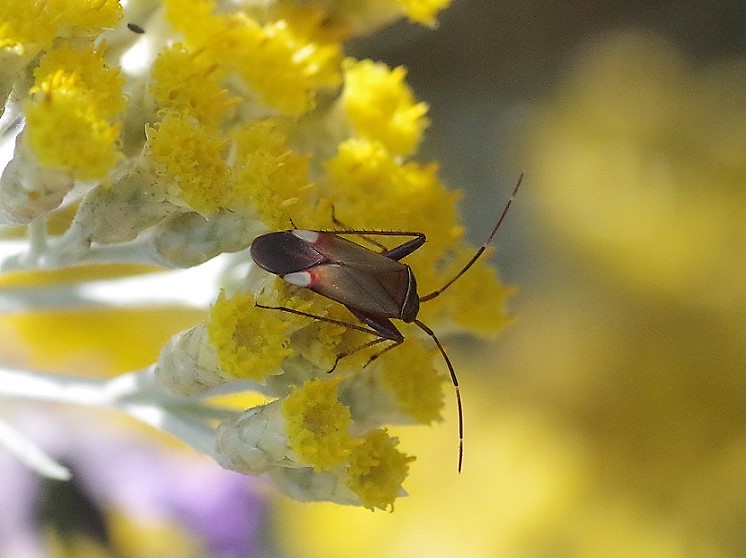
(173, 146)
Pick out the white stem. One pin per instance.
(44, 253)
(37, 232)
(138, 394)
(17, 383)
(192, 288)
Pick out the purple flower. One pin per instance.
(115, 469)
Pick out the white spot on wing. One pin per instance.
(309, 236)
(299, 278)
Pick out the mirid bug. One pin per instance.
(375, 287)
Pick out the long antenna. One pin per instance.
(454, 380)
(482, 248)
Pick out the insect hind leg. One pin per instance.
(317, 317)
(379, 338)
(364, 346)
(372, 241)
(395, 343)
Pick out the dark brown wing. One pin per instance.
(283, 252)
(379, 292)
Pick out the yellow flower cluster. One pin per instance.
(377, 470)
(188, 83)
(318, 424)
(269, 176)
(366, 16)
(72, 112)
(381, 106)
(249, 343)
(424, 11)
(305, 444)
(238, 120)
(415, 382)
(191, 156)
(28, 26)
(284, 68)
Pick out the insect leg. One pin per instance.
(385, 331)
(395, 253)
(376, 341)
(320, 318)
(379, 338)
(373, 357)
(367, 238)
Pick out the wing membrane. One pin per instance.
(374, 291)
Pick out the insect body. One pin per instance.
(375, 287)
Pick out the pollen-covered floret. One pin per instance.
(185, 82)
(377, 469)
(269, 176)
(284, 69)
(189, 158)
(250, 341)
(478, 305)
(318, 424)
(72, 112)
(402, 387)
(32, 25)
(415, 382)
(370, 183)
(381, 106)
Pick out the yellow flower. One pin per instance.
(417, 385)
(250, 342)
(190, 157)
(476, 303)
(424, 11)
(96, 83)
(376, 470)
(270, 176)
(27, 25)
(317, 424)
(320, 342)
(186, 83)
(381, 106)
(84, 17)
(33, 24)
(363, 17)
(375, 190)
(241, 123)
(284, 69)
(72, 110)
